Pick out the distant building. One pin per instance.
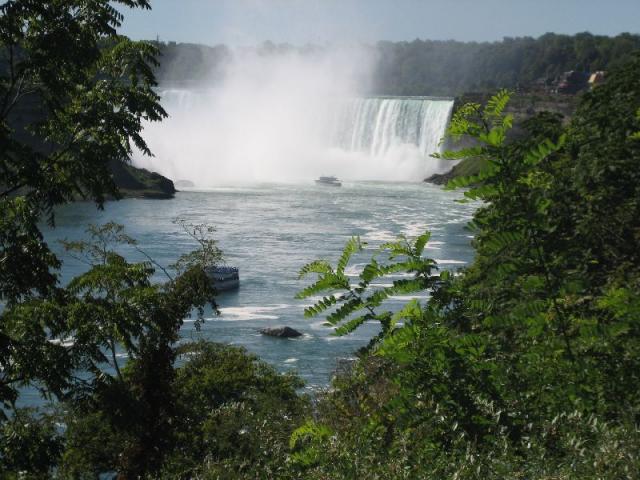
(597, 78)
(572, 82)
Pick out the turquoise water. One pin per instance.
(269, 232)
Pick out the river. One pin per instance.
(269, 231)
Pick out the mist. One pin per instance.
(279, 117)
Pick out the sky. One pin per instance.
(250, 22)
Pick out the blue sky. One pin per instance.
(248, 22)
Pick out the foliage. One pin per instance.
(306, 443)
(523, 365)
(30, 447)
(236, 412)
(206, 255)
(427, 67)
(111, 311)
(73, 95)
(356, 304)
(636, 135)
(224, 412)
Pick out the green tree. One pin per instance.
(73, 96)
(220, 411)
(30, 446)
(111, 312)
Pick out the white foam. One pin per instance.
(410, 297)
(400, 275)
(250, 313)
(380, 236)
(354, 270)
(414, 229)
(450, 262)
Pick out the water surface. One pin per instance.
(269, 232)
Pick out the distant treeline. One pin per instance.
(187, 62)
(428, 67)
(452, 68)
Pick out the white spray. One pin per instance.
(291, 117)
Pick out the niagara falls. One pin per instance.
(319, 239)
(291, 117)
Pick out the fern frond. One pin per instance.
(494, 137)
(411, 311)
(503, 240)
(398, 248)
(397, 344)
(420, 243)
(496, 105)
(412, 265)
(345, 310)
(320, 306)
(543, 150)
(470, 152)
(353, 245)
(460, 123)
(326, 282)
(317, 266)
(370, 272)
(462, 182)
(351, 325)
(483, 192)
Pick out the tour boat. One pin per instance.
(224, 278)
(332, 181)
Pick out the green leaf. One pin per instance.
(351, 325)
(420, 243)
(352, 246)
(496, 105)
(317, 266)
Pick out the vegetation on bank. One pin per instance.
(427, 67)
(522, 107)
(523, 365)
(431, 67)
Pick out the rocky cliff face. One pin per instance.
(138, 182)
(131, 181)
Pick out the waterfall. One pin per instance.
(214, 137)
(376, 125)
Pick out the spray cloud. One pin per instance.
(290, 116)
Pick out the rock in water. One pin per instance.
(281, 332)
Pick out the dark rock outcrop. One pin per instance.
(139, 182)
(280, 332)
(441, 178)
(465, 168)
